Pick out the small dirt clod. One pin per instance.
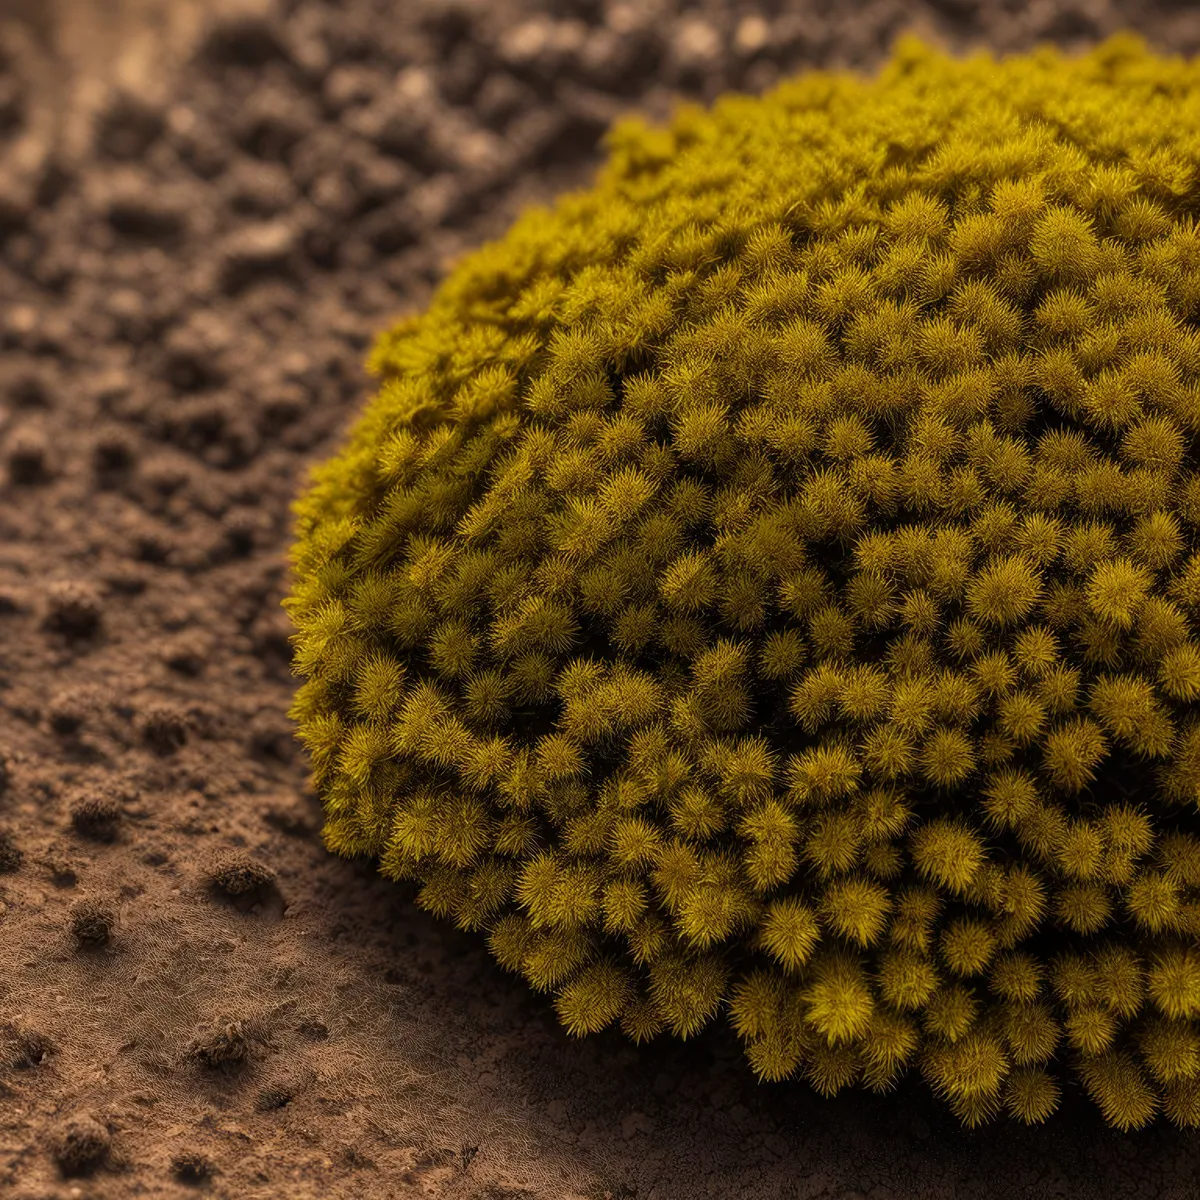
(191, 1166)
(93, 921)
(238, 874)
(223, 1045)
(79, 1145)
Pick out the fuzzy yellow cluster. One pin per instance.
(767, 582)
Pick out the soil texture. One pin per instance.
(206, 212)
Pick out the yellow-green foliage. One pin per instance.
(764, 583)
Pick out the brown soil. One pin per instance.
(204, 215)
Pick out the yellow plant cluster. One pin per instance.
(766, 582)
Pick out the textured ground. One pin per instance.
(204, 215)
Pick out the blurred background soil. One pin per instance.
(206, 211)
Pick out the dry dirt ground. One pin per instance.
(206, 210)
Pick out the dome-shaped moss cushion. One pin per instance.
(767, 583)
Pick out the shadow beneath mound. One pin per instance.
(264, 901)
(689, 1118)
